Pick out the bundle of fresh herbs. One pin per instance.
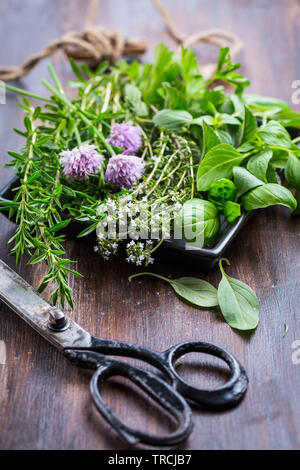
(140, 139)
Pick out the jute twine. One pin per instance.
(94, 44)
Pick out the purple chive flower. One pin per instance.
(124, 170)
(81, 161)
(126, 136)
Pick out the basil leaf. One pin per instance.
(244, 180)
(232, 210)
(225, 137)
(172, 120)
(272, 175)
(207, 118)
(192, 289)
(265, 103)
(288, 119)
(269, 195)
(224, 118)
(210, 139)
(258, 164)
(280, 158)
(297, 197)
(292, 171)
(248, 126)
(196, 291)
(222, 191)
(274, 133)
(217, 163)
(198, 220)
(238, 303)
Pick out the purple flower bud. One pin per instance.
(124, 170)
(78, 163)
(126, 136)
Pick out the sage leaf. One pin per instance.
(258, 164)
(218, 163)
(192, 289)
(269, 195)
(244, 180)
(172, 120)
(238, 303)
(196, 291)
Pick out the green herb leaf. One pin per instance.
(222, 191)
(258, 164)
(292, 171)
(218, 163)
(198, 222)
(59, 225)
(133, 96)
(210, 139)
(238, 303)
(265, 103)
(194, 290)
(232, 210)
(244, 180)
(172, 120)
(247, 128)
(274, 133)
(269, 195)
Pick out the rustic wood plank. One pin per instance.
(45, 401)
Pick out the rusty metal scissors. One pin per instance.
(86, 350)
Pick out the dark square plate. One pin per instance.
(171, 250)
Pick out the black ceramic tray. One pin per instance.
(171, 250)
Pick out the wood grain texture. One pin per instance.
(44, 401)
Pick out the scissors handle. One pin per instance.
(226, 396)
(159, 390)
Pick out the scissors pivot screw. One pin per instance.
(57, 320)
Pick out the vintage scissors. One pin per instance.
(86, 350)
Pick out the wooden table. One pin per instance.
(45, 402)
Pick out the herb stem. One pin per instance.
(157, 246)
(148, 274)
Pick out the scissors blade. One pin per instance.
(34, 310)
